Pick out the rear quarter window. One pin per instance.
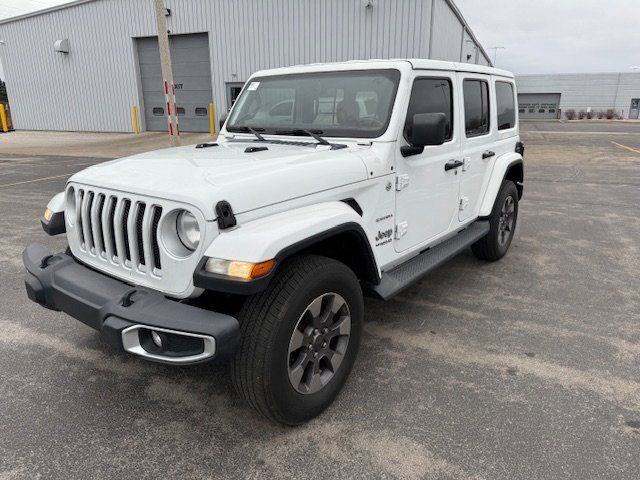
(505, 105)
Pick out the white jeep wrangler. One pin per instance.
(326, 181)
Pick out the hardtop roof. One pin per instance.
(400, 63)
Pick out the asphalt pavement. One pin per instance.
(527, 368)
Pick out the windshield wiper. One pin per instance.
(303, 131)
(317, 136)
(245, 128)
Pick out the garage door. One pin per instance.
(191, 76)
(539, 105)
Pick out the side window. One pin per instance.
(476, 107)
(431, 95)
(506, 105)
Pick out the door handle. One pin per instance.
(451, 164)
(488, 154)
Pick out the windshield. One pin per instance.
(334, 104)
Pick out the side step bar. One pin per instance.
(402, 276)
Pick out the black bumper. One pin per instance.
(59, 282)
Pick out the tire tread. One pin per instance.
(258, 318)
(487, 247)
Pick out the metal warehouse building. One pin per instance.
(112, 61)
(550, 96)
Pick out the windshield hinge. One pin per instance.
(226, 218)
(402, 181)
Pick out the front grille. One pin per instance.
(119, 230)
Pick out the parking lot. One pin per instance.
(527, 368)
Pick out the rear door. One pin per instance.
(478, 134)
(427, 194)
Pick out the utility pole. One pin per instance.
(167, 71)
(495, 53)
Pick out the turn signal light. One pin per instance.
(239, 269)
(48, 214)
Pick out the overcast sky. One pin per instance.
(558, 36)
(11, 8)
(539, 36)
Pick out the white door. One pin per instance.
(477, 132)
(427, 193)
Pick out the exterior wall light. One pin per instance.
(62, 45)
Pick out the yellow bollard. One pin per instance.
(212, 120)
(3, 119)
(134, 113)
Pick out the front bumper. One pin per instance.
(127, 315)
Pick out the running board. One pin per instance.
(402, 276)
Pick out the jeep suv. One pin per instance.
(326, 182)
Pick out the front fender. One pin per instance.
(263, 239)
(54, 225)
(280, 236)
(500, 169)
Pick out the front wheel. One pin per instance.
(502, 222)
(299, 339)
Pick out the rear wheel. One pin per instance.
(299, 339)
(502, 222)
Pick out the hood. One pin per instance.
(204, 176)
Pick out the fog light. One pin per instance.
(157, 339)
(48, 214)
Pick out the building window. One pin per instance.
(158, 111)
(541, 110)
(201, 111)
(180, 111)
(476, 107)
(506, 105)
(552, 110)
(431, 95)
(521, 110)
(531, 110)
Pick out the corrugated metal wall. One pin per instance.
(598, 91)
(446, 36)
(93, 87)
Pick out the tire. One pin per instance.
(502, 223)
(268, 363)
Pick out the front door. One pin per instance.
(427, 194)
(477, 131)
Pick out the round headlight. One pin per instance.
(188, 230)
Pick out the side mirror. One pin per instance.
(223, 118)
(427, 129)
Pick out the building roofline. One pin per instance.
(465, 26)
(43, 11)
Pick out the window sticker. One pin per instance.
(254, 86)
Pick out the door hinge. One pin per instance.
(464, 203)
(402, 181)
(401, 229)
